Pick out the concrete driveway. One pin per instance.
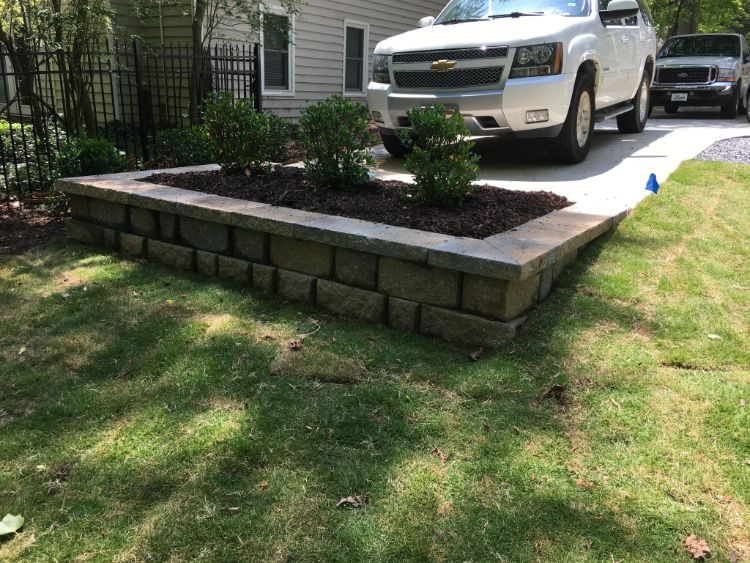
(613, 178)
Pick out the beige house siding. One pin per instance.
(319, 44)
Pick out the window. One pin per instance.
(355, 57)
(277, 55)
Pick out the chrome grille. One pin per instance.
(685, 75)
(464, 78)
(451, 55)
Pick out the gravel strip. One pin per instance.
(728, 150)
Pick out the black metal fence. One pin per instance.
(124, 92)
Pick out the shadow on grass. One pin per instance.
(182, 445)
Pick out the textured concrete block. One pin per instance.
(351, 302)
(302, 256)
(204, 235)
(403, 315)
(111, 239)
(251, 245)
(356, 268)
(564, 261)
(207, 263)
(85, 233)
(264, 278)
(545, 282)
(109, 214)
(415, 282)
(79, 207)
(144, 222)
(234, 269)
(168, 227)
(171, 254)
(296, 287)
(462, 328)
(499, 299)
(133, 245)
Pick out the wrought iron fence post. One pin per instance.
(258, 78)
(141, 95)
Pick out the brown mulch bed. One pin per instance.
(488, 211)
(24, 225)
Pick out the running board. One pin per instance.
(613, 111)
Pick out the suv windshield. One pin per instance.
(701, 46)
(471, 10)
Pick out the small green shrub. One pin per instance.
(180, 147)
(239, 138)
(440, 157)
(334, 134)
(84, 156)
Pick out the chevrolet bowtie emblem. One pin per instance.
(442, 65)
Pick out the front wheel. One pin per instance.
(573, 143)
(635, 120)
(729, 110)
(393, 145)
(747, 105)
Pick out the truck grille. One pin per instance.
(451, 55)
(465, 78)
(686, 75)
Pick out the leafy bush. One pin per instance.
(84, 156)
(334, 134)
(239, 138)
(180, 147)
(440, 156)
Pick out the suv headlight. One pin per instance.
(726, 75)
(537, 60)
(380, 71)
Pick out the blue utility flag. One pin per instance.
(653, 185)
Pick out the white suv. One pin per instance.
(533, 68)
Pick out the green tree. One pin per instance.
(699, 16)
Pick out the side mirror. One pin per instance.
(746, 58)
(618, 10)
(426, 22)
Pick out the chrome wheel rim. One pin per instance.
(583, 119)
(643, 108)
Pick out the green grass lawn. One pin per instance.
(146, 414)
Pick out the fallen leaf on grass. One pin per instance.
(233, 509)
(437, 453)
(714, 337)
(295, 344)
(743, 403)
(22, 351)
(474, 356)
(11, 524)
(697, 548)
(557, 392)
(263, 485)
(352, 502)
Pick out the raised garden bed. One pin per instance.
(467, 290)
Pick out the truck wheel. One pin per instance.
(742, 108)
(635, 121)
(747, 105)
(729, 110)
(671, 107)
(572, 144)
(393, 145)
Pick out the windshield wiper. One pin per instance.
(516, 15)
(462, 20)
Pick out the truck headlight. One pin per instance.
(537, 60)
(380, 71)
(726, 75)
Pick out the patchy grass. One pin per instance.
(148, 415)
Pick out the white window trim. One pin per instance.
(15, 108)
(278, 93)
(365, 60)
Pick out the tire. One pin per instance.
(635, 121)
(742, 107)
(747, 105)
(729, 110)
(671, 107)
(393, 145)
(573, 143)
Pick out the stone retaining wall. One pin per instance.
(467, 291)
